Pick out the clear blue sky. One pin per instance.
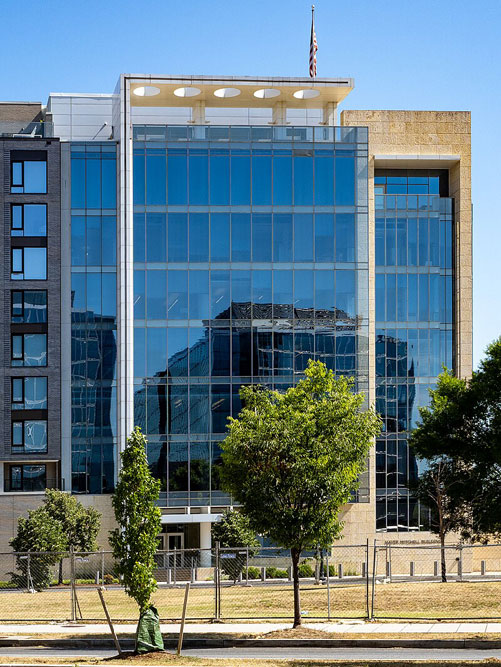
(431, 54)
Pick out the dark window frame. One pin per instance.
(12, 228)
(19, 273)
(22, 292)
(21, 449)
(21, 468)
(21, 358)
(21, 185)
(21, 402)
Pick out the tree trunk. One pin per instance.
(295, 555)
(60, 578)
(442, 557)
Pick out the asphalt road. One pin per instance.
(297, 653)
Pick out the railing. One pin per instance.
(35, 129)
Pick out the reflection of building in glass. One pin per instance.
(413, 325)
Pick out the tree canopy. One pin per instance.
(62, 522)
(293, 459)
(463, 425)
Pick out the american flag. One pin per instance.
(313, 46)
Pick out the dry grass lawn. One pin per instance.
(479, 600)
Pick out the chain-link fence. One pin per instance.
(357, 581)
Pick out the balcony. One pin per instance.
(32, 485)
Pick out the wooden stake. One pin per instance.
(181, 629)
(108, 618)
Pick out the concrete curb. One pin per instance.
(199, 642)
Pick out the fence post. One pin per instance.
(374, 565)
(412, 568)
(435, 568)
(247, 566)
(388, 563)
(29, 585)
(328, 588)
(460, 563)
(175, 565)
(217, 590)
(72, 585)
(340, 570)
(367, 578)
(482, 568)
(102, 567)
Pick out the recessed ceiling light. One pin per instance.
(266, 93)
(226, 92)
(146, 91)
(189, 91)
(306, 94)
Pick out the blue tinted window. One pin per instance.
(139, 295)
(178, 237)
(345, 181)
(345, 292)
(93, 181)
(261, 179)
(282, 237)
(177, 304)
(139, 237)
(156, 352)
(199, 295)
(156, 178)
(199, 179)
(199, 237)
(282, 293)
(78, 240)
(324, 181)
(219, 179)
(241, 293)
(261, 237)
(199, 352)
(109, 183)
(156, 303)
(324, 292)
(261, 294)
(220, 294)
(303, 180)
(345, 237)
(109, 295)
(156, 237)
(303, 293)
(77, 183)
(324, 237)
(303, 237)
(178, 182)
(240, 237)
(220, 352)
(178, 352)
(220, 237)
(240, 179)
(109, 240)
(282, 180)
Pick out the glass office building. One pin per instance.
(172, 241)
(250, 257)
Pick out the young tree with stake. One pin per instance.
(135, 541)
(293, 459)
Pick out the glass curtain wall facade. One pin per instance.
(93, 317)
(414, 325)
(250, 257)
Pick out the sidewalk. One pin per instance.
(340, 628)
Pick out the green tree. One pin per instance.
(463, 424)
(60, 514)
(234, 531)
(135, 541)
(80, 524)
(293, 460)
(436, 488)
(41, 534)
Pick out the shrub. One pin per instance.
(110, 579)
(253, 572)
(305, 571)
(332, 571)
(276, 573)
